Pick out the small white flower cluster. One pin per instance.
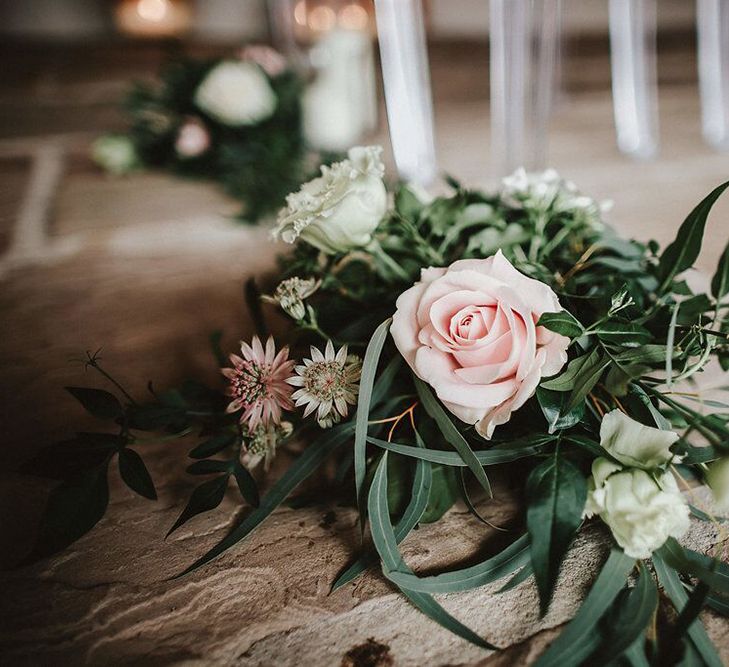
(637, 497)
(291, 294)
(262, 443)
(339, 210)
(545, 190)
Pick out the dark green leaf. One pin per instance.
(451, 433)
(566, 380)
(554, 409)
(562, 323)
(515, 556)
(135, 474)
(154, 417)
(709, 570)
(213, 445)
(587, 378)
(444, 493)
(624, 334)
(68, 458)
(385, 542)
(246, 485)
(74, 507)
(682, 253)
(366, 383)
(675, 591)
(210, 466)
(313, 456)
(205, 497)
(720, 281)
(556, 492)
(579, 638)
(626, 622)
(520, 577)
(97, 402)
(407, 204)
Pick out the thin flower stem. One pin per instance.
(93, 361)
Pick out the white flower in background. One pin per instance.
(291, 293)
(717, 477)
(642, 511)
(636, 445)
(328, 383)
(193, 139)
(116, 154)
(270, 60)
(341, 209)
(262, 444)
(236, 93)
(547, 189)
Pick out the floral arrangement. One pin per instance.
(434, 338)
(235, 121)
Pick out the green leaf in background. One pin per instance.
(556, 492)
(626, 621)
(213, 445)
(587, 377)
(205, 497)
(709, 570)
(624, 334)
(566, 380)
(155, 417)
(210, 466)
(514, 557)
(443, 495)
(554, 408)
(720, 281)
(99, 403)
(683, 252)
(673, 587)
(246, 484)
(366, 383)
(451, 433)
(422, 483)
(579, 639)
(562, 323)
(66, 459)
(407, 203)
(383, 537)
(298, 471)
(73, 508)
(135, 474)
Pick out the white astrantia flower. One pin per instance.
(641, 510)
(339, 210)
(236, 93)
(717, 477)
(262, 442)
(291, 293)
(547, 189)
(636, 445)
(328, 384)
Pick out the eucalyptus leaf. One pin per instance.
(246, 485)
(556, 492)
(206, 496)
(135, 474)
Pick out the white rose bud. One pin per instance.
(236, 93)
(642, 511)
(636, 445)
(116, 154)
(717, 477)
(340, 210)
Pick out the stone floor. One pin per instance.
(146, 267)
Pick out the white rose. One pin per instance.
(641, 511)
(236, 93)
(341, 209)
(115, 153)
(636, 445)
(717, 477)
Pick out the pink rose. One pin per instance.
(193, 139)
(470, 332)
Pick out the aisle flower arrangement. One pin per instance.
(435, 338)
(234, 121)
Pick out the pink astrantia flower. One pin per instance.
(258, 384)
(470, 332)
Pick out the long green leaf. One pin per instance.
(488, 457)
(451, 433)
(587, 378)
(515, 556)
(627, 621)
(366, 384)
(720, 281)
(674, 589)
(709, 570)
(682, 253)
(578, 640)
(422, 482)
(556, 492)
(299, 470)
(520, 577)
(383, 537)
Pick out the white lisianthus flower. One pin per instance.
(636, 445)
(236, 93)
(339, 210)
(717, 477)
(642, 511)
(116, 154)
